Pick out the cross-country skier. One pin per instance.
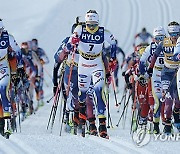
(143, 37)
(44, 60)
(158, 35)
(90, 38)
(118, 52)
(8, 49)
(168, 76)
(65, 54)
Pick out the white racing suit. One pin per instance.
(91, 67)
(156, 77)
(8, 49)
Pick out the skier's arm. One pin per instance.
(44, 58)
(16, 51)
(111, 40)
(143, 60)
(176, 56)
(128, 74)
(55, 73)
(74, 38)
(62, 52)
(156, 54)
(154, 57)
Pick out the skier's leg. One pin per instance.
(143, 102)
(98, 77)
(4, 88)
(90, 111)
(157, 94)
(167, 86)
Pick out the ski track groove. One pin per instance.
(10, 150)
(126, 40)
(16, 146)
(106, 143)
(135, 22)
(167, 12)
(164, 13)
(161, 12)
(169, 9)
(130, 146)
(130, 35)
(104, 12)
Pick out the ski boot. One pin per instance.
(82, 117)
(168, 127)
(102, 128)
(23, 106)
(76, 121)
(31, 108)
(41, 103)
(2, 126)
(176, 114)
(67, 127)
(92, 127)
(156, 129)
(7, 127)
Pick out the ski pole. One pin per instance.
(55, 111)
(107, 104)
(126, 111)
(123, 112)
(70, 70)
(57, 93)
(16, 94)
(123, 98)
(124, 94)
(50, 99)
(47, 73)
(114, 90)
(64, 111)
(69, 82)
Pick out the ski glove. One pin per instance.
(75, 40)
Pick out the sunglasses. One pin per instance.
(92, 25)
(159, 38)
(174, 34)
